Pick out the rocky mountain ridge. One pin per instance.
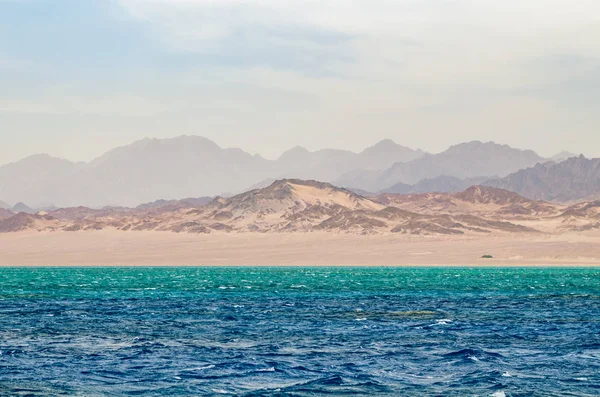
(298, 206)
(573, 179)
(467, 160)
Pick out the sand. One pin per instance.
(117, 248)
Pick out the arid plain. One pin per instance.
(115, 248)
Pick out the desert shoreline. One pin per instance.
(109, 248)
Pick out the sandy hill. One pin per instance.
(293, 205)
(289, 204)
(581, 216)
(5, 213)
(477, 200)
(173, 205)
(24, 221)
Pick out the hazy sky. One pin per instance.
(78, 77)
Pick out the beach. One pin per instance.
(117, 248)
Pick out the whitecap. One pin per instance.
(210, 366)
(499, 394)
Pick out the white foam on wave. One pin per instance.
(210, 366)
(499, 394)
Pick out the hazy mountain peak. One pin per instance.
(388, 145)
(41, 160)
(385, 144)
(293, 152)
(562, 156)
(22, 207)
(179, 141)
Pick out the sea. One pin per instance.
(280, 331)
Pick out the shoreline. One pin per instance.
(110, 248)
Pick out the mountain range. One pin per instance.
(440, 184)
(466, 160)
(192, 166)
(573, 179)
(289, 205)
(187, 166)
(300, 206)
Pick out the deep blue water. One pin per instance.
(299, 332)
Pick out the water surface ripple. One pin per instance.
(299, 332)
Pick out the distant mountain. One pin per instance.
(573, 179)
(440, 184)
(562, 156)
(324, 165)
(384, 154)
(4, 206)
(38, 179)
(329, 164)
(467, 160)
(22, 207)
(187, 166)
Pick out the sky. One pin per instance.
(80, 77)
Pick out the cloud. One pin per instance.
(244, 34)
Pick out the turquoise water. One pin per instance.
(299, 332)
